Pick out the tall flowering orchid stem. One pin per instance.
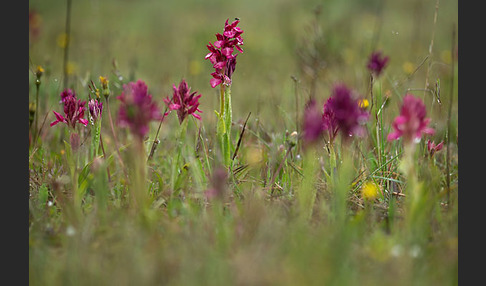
(224, 62)
(73, 109)
(137, 110)
(185, 103)
(115, 138)
(411, 124)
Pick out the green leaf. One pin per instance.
(43, 195)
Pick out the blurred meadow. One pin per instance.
(253, 236)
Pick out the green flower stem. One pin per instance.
(72, 157)
(225, 118)
(180, 141)
(341, 185)
(139, 200)
(228, 117)
(95, 138)
(307, 192)
(416, 204)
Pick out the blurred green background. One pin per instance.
(162, 42)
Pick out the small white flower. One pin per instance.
(70, 231)
(396, 250)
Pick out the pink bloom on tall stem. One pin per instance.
(411, 123)
(221, 53)
(73, 110)
(185, 102)
(377, 62)
(137, 108)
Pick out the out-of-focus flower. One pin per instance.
(329, 120)
(73, 110)
(313, 126)
(377, 62)
(105, 87)
(71, 68)
(62, 40)
(218, 184)
(408, 68)
(345, 113)
(221, 53)
(370, 191)
(39, 71)
(95, 109)
(137, 108)
(341, 112)
(185, 102)
(35, 21)
(411, 123)
(432, 148)
(363, 103)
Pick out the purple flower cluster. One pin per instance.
(344, 113)
(185, 102)
(377, 63)
(313, 125)
(137, 108)
(73, 110)
(411, 123)
(341, 112)
(221, 53)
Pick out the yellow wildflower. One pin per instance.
(62, 40)
(364, 103)
(408, 67)
(104, 82)
(369, 191)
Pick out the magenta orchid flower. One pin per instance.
(411, 123)
(377, 62)
(185, 102)
(432, 148)
(73, 110)
(342, 112)
(221, 53)
(137, 108)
